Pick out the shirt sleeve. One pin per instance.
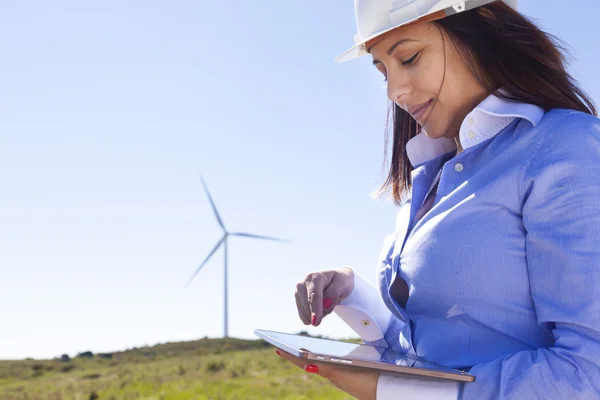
(365, 312)
(561, 216)
(391, 387)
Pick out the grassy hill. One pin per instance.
(202, 369)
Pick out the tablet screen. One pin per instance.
(328, 347)
(350, 351)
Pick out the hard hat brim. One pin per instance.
(359, 50)
(441, 10)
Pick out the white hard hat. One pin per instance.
(376, 17)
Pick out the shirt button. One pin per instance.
(366, 322)
(470, 120)
(458, 167)
(471, 135)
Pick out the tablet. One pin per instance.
(355, 355)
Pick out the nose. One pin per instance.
(398, 88)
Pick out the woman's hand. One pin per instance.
(359, 384)
(319, 292)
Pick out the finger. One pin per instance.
(291, 358)
(302, 303)
(303, 313)
(314, 291)
(331, 298)
(321, 369)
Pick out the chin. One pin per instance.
(433, 133)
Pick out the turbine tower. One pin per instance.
(223, 241)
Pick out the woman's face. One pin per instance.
(437, 93)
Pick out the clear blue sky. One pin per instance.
(110, 110)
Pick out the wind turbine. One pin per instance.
(223, 242)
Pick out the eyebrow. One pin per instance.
(391, 49)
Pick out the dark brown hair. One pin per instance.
(503, 49)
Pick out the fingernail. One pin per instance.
(327, 303)
(313, 369)
(314, 319)
(278, 353)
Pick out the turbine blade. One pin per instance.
(212, 203)
(250, 235)
(205, 261)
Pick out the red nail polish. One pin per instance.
(313, 369)
(327, 303)
(314, 320)
(278, 353)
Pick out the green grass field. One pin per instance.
(203, 369)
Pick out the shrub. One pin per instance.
(37, 367)
(67, 368)
(215, 366)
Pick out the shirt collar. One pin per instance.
(485, 121)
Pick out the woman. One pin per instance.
(494, 266)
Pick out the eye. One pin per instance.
(411, 60)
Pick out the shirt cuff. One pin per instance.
(391, 387)
(365, 312)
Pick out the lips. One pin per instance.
(418, 110)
